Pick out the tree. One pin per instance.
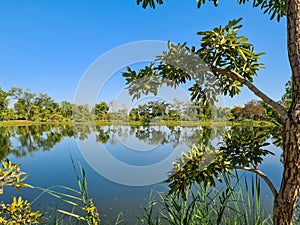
(233, 62)
(81, 113)
(25, 101)
(66, 110)
(254, 110)
(3, 104)
(3, 99)
(120, 114)
(237, 112)
(101, 111)
(47, 108)
(148, 111)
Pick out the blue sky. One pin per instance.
(48, 45)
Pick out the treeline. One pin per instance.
(190, 111)
(19, 104)
(25, 105)
(154, 111)
(252, 110)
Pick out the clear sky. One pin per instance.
(48, 45)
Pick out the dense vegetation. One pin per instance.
(17, 104)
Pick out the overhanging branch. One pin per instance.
(262, 175)
(236, 76)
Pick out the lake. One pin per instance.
(124, 165)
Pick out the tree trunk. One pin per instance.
(287, 198)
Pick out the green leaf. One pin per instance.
(242, 54)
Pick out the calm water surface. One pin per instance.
(124, 165)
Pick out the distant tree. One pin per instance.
(254, 110)
(101, 111)
(25, 101)
(82, 113)
(112, 105)
(120, 114)
(4, 101)
(47, 108)
(150, 110)
(66, 110)
(191, 111)
(188, 110)
(173, 114)
(237, 112)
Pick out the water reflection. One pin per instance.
(55, 168)
(21, 141)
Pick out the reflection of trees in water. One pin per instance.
(152, 135)
(23, 140)
(81, 132)
(34, 138)
(188, 136)
(5, 142)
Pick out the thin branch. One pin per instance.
(262, 175)
(236, 76)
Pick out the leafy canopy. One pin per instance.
(224, 63)
(275, 8)
(241, 147)
(222, 52)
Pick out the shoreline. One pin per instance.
(137, 123)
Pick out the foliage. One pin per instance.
(237, 202)
(199, 165)
(25, 101)
(275, 8)
(3, 104)
(222, 53)
(240, 148)
(226, 62)
(287, 98)
(81, 113)
(42, 108)
(11, 175)
(148, 111)
(151, 3)
(19, 212)
(101, 111)
(254, 110)
(79, 200)
(237, 112)
(66, 109)
(245, 147)
(223, 49)
(46, 108)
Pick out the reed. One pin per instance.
(237, 202)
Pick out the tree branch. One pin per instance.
(262, 175)
(236, 76)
